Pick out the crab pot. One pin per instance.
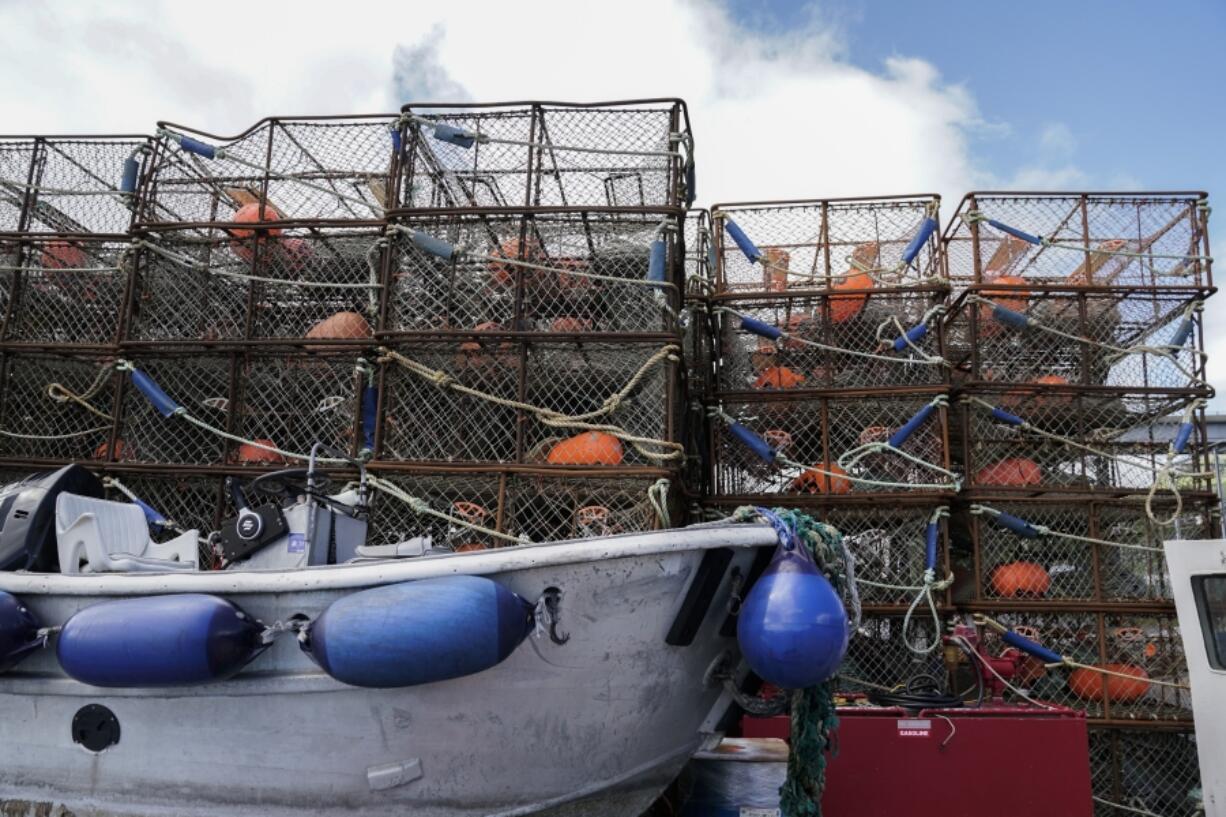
(1022, 568)
(1099, 441)
(817, 430)
(1145, 647)
(69, 185)
(699, 330)
(539, 506)
(37, 427)
(425, 420)
(877, 654)
(299, 168)
(815, 245)
(1144, 225)
(1033, 333)
(440, 173)
(887, 324)
(300, 283)
(1145, 769)
(203, 384)
(599, 267)
(62, 292)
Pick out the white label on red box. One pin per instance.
(914, 727)
(750, 811)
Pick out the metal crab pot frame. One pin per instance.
(1173, 225)
(1153, 771)
(464, 402)
(635, 153)
(74, 185)
(831, 341)
(1116, 337)
(1079, 442)
(1149, 642)
(591, 273)
(1067, 554)
(61, 292)
(328, 168)
(298, 282)
(816, 429)
(56, 407)
(822, 243)
(878, 658)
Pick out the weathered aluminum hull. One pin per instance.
(597, 726)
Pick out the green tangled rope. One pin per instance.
(813, 712)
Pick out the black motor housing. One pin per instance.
(27, 517)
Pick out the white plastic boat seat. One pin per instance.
(101, 536)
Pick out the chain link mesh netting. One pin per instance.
(1147, 772)
(819, 245)
(594, 281)
(217, 285)
(299, 168)
(1077, 441)
(1059, 567)
(62, 292)
(428, 420)
(878, 658)
(829, 341)
(540, 171)
(1121, 338)
(818, 431)
(66, 185)
(56, 406)
(1151, 225)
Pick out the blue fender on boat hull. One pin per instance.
(18, 631)
(158, 641)
(418, 632)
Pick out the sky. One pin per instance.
(788, 99)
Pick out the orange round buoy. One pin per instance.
(1090, 685)
(1020, 579)
(1017, 472)
(341, 326)
(249, 454)
(845, 307)
(503, 274)
(778, 377)
(831, 479)
(250, 214)
(62, 255)
(588, 448)
(296, 252)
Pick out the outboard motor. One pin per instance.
(27, 517)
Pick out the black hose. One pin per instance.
(922, 692)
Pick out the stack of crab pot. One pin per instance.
(829, 392)
(530, 344)
(1079, 387)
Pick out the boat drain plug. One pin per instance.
(95, 727)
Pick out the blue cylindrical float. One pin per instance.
(19, 634)
(792, 627)
(158, 641)
(418, 632)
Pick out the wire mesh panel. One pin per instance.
(537, 508)
(1135, 771)
(829, 341)
(1146, 651)
(1123, 240)
(632, 154)
(833, 446)
(1080, 551)
(216, 285)
(568, 273)
(68, 184)
(879, 658)
(1032, 440)
(337, 169)
(203, 384)
(1118, 338)
(63, 292)
(857, 245)
(888, 545)
(56, 406)
(498, 400)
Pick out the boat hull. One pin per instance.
(598, 725)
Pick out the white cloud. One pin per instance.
(1057, 140)
(776, 115)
